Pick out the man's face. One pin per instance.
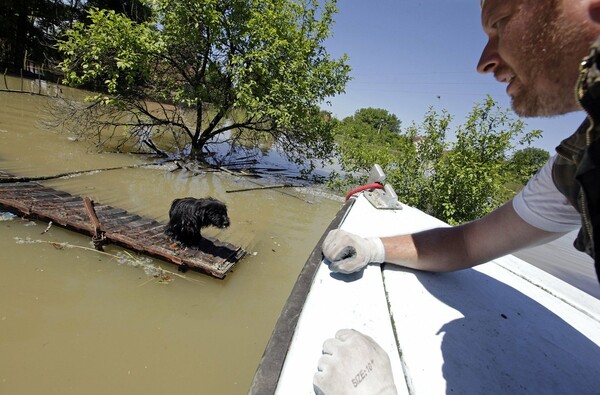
(536, 46)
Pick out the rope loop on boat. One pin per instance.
(366, 187)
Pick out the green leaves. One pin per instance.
(370, 136)
(526, 162)
(262, 58)
(455, 181)
(112, 53)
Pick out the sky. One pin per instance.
(410, 55)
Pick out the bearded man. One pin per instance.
(547, 52)
(541, 50)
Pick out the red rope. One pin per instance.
(374, 185)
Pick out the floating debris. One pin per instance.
(122, 257)
(6, 216)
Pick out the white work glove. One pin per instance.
(348, 253)
(353, 364)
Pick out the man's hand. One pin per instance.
(353, 364)
(349, 253)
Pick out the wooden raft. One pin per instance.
(113, 225)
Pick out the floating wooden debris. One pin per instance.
(107, 224)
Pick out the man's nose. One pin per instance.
(490, 59)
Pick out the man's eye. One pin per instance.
(499, 23)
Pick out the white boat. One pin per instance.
(504, 327)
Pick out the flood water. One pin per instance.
(75, 321)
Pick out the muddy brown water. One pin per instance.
(74, 321)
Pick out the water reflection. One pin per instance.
(75, 321)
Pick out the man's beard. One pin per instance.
(552, 49)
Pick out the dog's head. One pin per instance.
(213, 213)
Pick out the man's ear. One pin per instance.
(594, 10)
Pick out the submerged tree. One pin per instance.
(202, 69)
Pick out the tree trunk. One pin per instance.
(20, 36)
(197, 141)
(198, 144)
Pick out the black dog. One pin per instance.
(188, 215)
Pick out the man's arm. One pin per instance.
(439, 250)
(447, 249)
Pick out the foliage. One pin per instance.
(28, 29)
(202, 69)
(412, 173)
(526, 162)
(369, 136)
(135, 10)
(129, 45)
(455, 181)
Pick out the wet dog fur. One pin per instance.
(189, 215)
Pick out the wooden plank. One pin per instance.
(25, 186)
(89, 207)
(98, 237)
(129, 224)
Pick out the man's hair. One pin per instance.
(482, 1)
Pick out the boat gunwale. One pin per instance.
(267, 375)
